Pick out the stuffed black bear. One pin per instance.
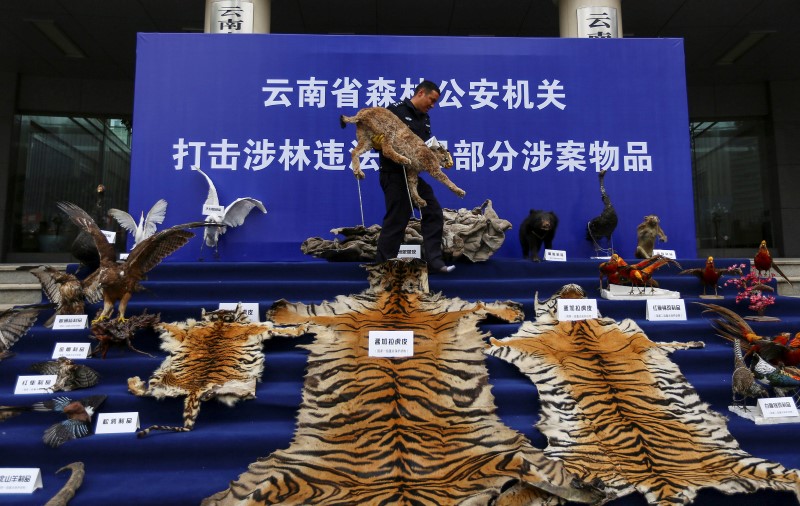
(537, 229)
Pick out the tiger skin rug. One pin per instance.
(218, 357)
(419, 430)
(616, 408)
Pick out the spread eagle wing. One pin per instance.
(92, 289)
(14, 323)
(49, 278)
(85, 222)
(238, 210)
(150, 252)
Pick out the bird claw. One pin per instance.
(99, 319)
(121, 319)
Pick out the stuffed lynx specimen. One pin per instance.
(617, 409)
(379, 128)
(419, 430)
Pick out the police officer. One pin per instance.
(414, 113)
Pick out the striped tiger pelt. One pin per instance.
(420, 430)
(616, 408)
(219, 357)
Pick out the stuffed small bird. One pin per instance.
(79, 417)
(69, 375)
(233, 215)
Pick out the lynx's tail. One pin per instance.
(344, 120)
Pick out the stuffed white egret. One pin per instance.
(146, 226)
(233, 215)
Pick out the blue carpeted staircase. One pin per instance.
(181, 469)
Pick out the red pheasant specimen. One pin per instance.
(610, 269)
(641, 274)
(779, 350)
(710, 274)
(119, 280)
(764, 264)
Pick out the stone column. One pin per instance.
(598, 18)
(235, 16)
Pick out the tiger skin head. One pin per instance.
(547, 310)
(399, 275)
(237, 315)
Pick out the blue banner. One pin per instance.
(529, 122)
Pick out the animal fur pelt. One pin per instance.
(420, 430)
(616, 408)
(218, 357)
(472, 234)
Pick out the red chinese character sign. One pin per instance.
(529, 123)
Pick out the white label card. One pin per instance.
(115, 423)
(577, 309)
(410, 251)
(666, 309)
(111, 237)
(249, 308)
(666, 253)
(72, 350)
(70, 322)
(20, 480)
(777, 407)
(123, 256)
(555, 255)
(391, 343)
(209, 209)
(36, 384)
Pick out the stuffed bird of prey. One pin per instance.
(66, 291)
(233, 215)
(14, 323)
(118, 281)
(146, 226)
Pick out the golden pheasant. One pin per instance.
(764, 264)
(710, 274)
